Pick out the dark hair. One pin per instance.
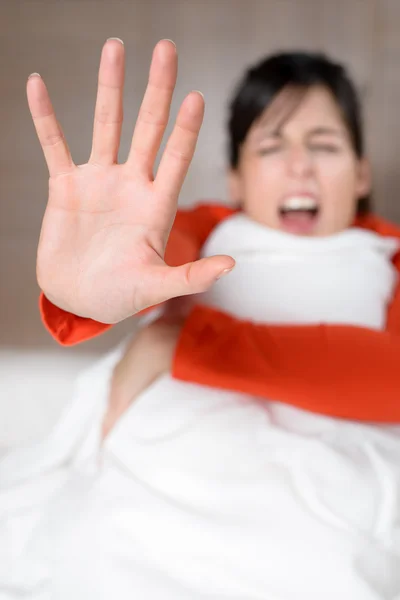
(263, 82)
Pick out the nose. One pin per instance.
(299, 162)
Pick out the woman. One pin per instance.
(231, 496)
(131, 255)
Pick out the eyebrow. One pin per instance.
(325, 131)
(269, 133)
(277, 133)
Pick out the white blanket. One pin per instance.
(207, 494)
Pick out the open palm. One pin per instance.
(106, 225)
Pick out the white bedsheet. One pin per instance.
(34, 388)
(203, 494)
(200, 494)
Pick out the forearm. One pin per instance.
(147, 357)
(341, 371)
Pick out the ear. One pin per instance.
(364, 178)
(235, 190)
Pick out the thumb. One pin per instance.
(191, 278)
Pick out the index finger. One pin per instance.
(51, 137)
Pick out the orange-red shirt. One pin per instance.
(342, 371)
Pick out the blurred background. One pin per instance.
(216, 39)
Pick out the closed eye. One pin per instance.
(269, 150)
(325, 147)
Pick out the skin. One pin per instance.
(106, 225)
(149, 355)
(311, 155)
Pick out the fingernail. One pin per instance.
(224, 272)
(117, 39)
(168, 40)
(198, 92)
(34, 75)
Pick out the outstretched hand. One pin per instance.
(106, 225)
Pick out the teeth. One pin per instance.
(300, 203)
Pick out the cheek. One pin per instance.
(337, 180)
(262, 189)
(264, 177)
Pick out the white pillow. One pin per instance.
(345, 278)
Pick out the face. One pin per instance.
(302, 177)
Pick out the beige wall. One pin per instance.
(216, 39)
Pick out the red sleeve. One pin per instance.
(342, 371)
(190, 230)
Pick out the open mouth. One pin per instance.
(299, 215)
